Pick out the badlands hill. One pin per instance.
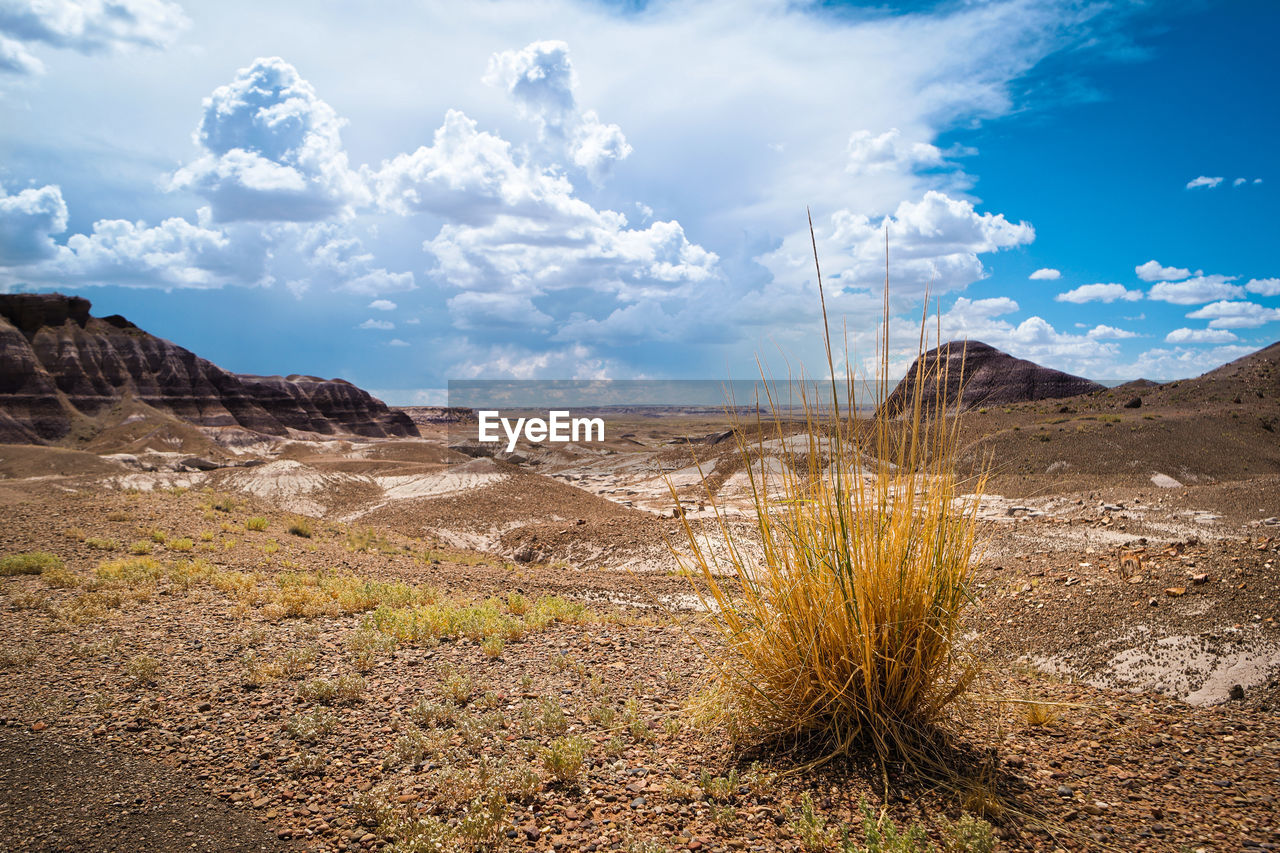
(1216, 428)
(988, 376)
(101, 383)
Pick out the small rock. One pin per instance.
(1236, 692)
(1066, 791)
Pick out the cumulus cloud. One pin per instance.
(1200, 336)
(382, 325)
(396, 342)
(1045, 274)
(1203, 181)
(1152, 270)
(272, 150)
(85, 26)
(1195, 291)
(382, 305)
(1235, 315)
(517, 229)
(16, 59)
(1103, 332)
(870, 154)
(27, 219)
(339, 260)
(1182, 362)
(1099, 293)
(174, 253)
(477, 310)
(471, 176)
(541, 81)
(935, 245)
(1264, 286)
(539, 78)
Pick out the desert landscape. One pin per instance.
(265, 613)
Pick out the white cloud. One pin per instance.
(934, 245)
(1183, 362)
(1200, 336)
(16, 59)
(870, 154)
(382, 305)
(1099, 293)
(472, 176)
(84, 26)
(272, 151)
(1239, 182)
(596, 146)
(1104, 332)
(1153, 271)
(1045, 274)
(27, 219)
(340, 261)
(1194, 291)
(396, 342)
(519, 230)
(1203, 181)
(174, 253)
(384, 325)
(540, 79)
(1235, 315)
(1264, 286)
(477, 310)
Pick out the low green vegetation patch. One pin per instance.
(32, 563)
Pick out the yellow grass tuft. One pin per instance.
(841, 626)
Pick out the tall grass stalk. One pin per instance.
(841, 616)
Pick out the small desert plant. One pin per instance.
(456, 686)
(346, 690)
(28, 564)
(433, 715)
(301, 527)
(140, 548)
(553, 719)
(312, 725)
(723, 788)
(142, 669)
(563, 757)
(60, 577)
(1041, 715)
(183, 544)
(256, 523)
(102, 544)
(844, 629)
(492, 646)
(366, 645)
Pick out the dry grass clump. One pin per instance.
(844, 629)
(32, 563)
(301, 527)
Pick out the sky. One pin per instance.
(404, 193)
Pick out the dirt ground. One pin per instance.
(215, 668)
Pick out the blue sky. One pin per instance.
(410, 192)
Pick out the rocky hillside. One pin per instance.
(66, 376)
(989, 376)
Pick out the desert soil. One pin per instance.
(1129, 702)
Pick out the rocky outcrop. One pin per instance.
(62, 370)
(988, 375)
